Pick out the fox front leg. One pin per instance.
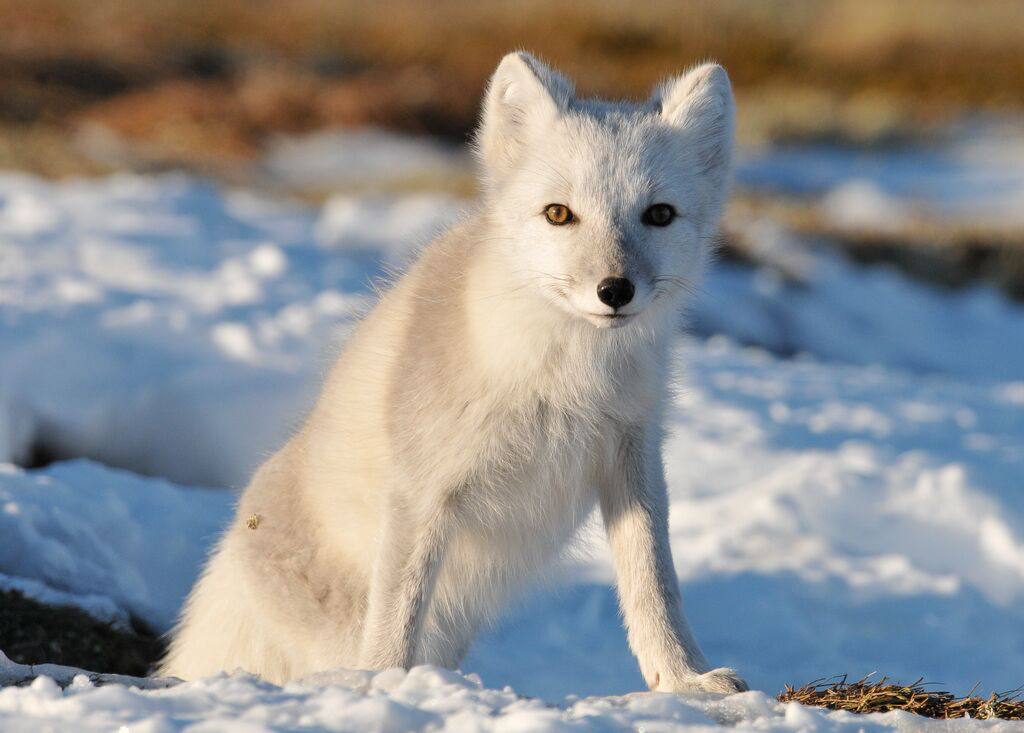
(402, 583)
(634, 504)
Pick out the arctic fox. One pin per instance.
(510, 382)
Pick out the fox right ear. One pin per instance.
(523, 94)
(700, 101)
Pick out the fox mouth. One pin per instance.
(610, 320)
(616, 319)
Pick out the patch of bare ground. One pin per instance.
(34, 633)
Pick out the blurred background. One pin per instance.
(220, 87)
(196, 196)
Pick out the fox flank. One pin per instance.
(508, 384)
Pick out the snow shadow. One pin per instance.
(775, 629)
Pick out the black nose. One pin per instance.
(615, 291)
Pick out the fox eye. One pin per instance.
(559, 214)
(659, 215)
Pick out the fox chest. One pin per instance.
(534, 483)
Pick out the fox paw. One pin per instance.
(721, 680)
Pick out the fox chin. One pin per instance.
(512, 381)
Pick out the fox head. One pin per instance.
(607, 209)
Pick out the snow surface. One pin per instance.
(855, 508)
(85, 529)
(423, 699)
(973, 178)
(142, 318)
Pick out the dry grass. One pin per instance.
(882, 696)
(219, 75)
(949, 47)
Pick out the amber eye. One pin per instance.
(659, 215)
(559, 214)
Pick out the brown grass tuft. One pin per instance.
(837, 693)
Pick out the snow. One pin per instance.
(973, 177)
(186, 312)
(84, 529)
(844, 458)
(816, 303)
(422, 699)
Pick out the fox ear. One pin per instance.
(523, 94)
(701, 103)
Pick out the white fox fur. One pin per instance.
(487, 404)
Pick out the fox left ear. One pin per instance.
(522, 96)
(701, 103)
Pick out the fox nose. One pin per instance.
(615, 291)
